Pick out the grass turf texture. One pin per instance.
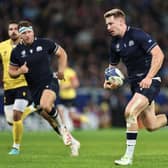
(99, 149)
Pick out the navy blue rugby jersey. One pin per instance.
(38, 57)
(134, 51)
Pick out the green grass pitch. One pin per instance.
(98, 150)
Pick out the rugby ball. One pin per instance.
(114, 75)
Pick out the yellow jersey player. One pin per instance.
(16, 93)
(67, 97)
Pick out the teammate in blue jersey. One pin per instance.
(32, 57)
(143, 59)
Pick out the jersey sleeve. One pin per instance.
(13, 59)
(52, 46)
(145, 40)
(114, 58)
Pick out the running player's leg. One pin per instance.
(64, 113)
(51, 121)
(18, 109)
(136, 105)
(75, 145)
(28, 110)
(47, 101)
(22, 97)
(151, 121)
(8, 110)
(47, 104)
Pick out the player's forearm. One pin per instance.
(157, 61)
(62, 59)
(14, 73)
(62, 63)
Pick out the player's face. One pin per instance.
(13, 31)
(27, 37)
(114, 25)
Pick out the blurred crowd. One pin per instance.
(78, 26)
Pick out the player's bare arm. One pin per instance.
(62, 62)
(15, 71)
(157, 60)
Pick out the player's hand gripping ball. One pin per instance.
(114, 75)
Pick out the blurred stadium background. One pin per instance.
(78, 25)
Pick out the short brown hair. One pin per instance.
(115, 12)
(12, 22)
(24, 23)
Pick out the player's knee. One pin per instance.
(17, 115)
(129, 113)
(130, 117)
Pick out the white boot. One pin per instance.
(124, 161)
(75, 146)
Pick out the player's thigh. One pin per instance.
(49, 94)
(48, 98)
(136, 105)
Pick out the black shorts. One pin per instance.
(150, 93)
(38, 90)
(17, 93)
(67, 102)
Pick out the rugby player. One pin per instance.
(32, 57)
(143, 59)
(16, 93)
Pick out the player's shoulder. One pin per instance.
(19, 47)
(136, 32)
(134, 29)
(43, 40)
